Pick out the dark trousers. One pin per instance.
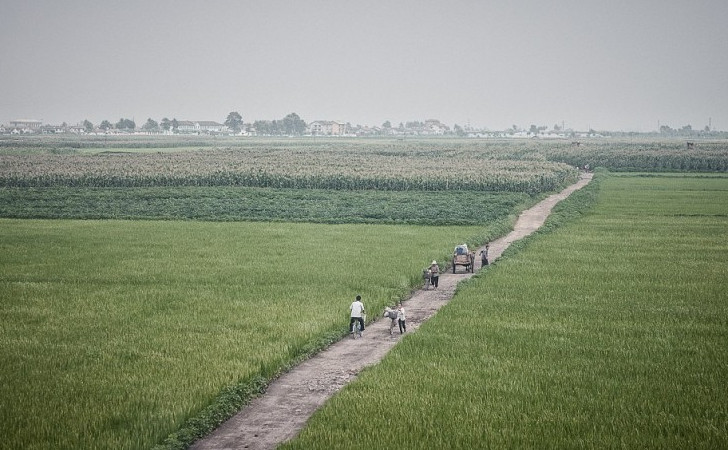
(434, 280)
(351, 324)
(402, 326)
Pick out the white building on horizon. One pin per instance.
(27, 125)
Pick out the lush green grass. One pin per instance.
(610, 331)
(239, 203)
(114, 333)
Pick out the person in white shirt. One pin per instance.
(401, 319)
(357, 311)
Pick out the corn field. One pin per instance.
(286, 168)
(530, 166)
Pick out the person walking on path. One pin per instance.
(392, 315)
(357, 313)
(484, 255)
(401, 319)
(434, 273)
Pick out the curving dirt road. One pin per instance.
(282, 411)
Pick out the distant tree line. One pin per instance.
(293, 125)
(290, 125)
(686, 130)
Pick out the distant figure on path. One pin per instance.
(434, 273)
(484, 255)
(401, 318)
(391, 314)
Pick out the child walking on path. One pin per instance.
(401, 319)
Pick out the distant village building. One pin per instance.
(327, 128)
(52, 129)
(26, 123)
(185, 126)
(435, 127)
(366, 131)
(200, 127)
(318, 127)
(25, 126)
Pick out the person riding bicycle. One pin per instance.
(357, 312)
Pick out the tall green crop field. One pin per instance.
(609, 331)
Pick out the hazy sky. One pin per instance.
(605, 64)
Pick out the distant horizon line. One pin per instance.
(466, 126)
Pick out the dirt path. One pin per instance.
(282, 411)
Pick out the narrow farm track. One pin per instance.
(282, 411)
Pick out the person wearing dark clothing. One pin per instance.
(434, 273)
(484, 255)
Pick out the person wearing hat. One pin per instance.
(435, 273)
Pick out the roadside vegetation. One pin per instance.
(606, 331)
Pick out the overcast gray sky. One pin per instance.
(605, 64)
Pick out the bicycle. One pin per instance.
(426, 276)
(356, 329)
(391, 314)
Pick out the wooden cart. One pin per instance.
(463, 257)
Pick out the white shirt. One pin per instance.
(356, 308)
(400, 314)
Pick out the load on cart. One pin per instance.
(462, 256)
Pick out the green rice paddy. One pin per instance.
(115, 333)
